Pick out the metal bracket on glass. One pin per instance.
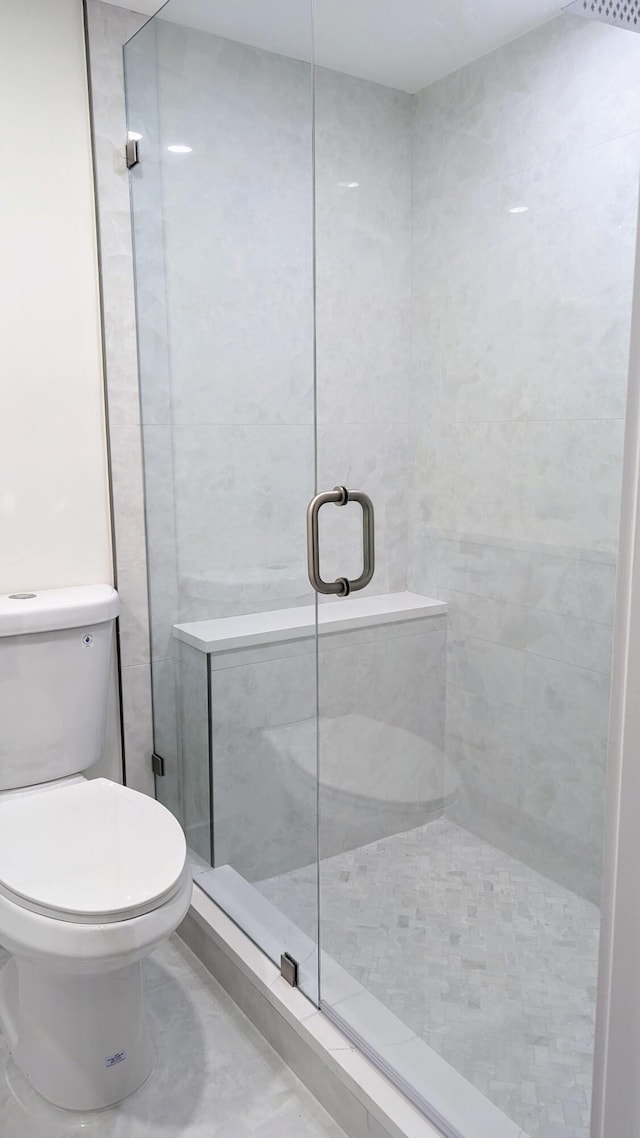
(340, 496)
(289, 969)
(132, 153)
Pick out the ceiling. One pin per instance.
(400, 43)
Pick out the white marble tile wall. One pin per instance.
(264, 792)
(520, 329)
(363, 271)
(193, 712)
(134, 413)
(223, 258)
(514, 328)
(237, 239)
(237, 231)
(226, 351)
(224, 255)
(108, 28)
(141, 62)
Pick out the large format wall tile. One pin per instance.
(194, 749)
(238, 264)
(264, 746)
(241, 497)
(363, 222)
(565, 582)
(566, 85)
(556, 347)
(373, 458)
(241, 301)
(165, 680)
(556, 636)
(376, 679)
(162, 549)
(471, 376)
(108, 28)
(565, 732)
(555, 483)
(520, 335)
(253, 105)
(264, 817)
(484, 742)
(224, 292)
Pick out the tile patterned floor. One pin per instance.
(493, 965)
(215, 1076)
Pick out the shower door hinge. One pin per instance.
(132, 152)
(289, 969)
(157, 764)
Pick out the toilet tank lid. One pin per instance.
(46, 610)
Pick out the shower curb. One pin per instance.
(357, 1095)
(329, 1054)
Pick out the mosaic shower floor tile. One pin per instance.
(493, 965)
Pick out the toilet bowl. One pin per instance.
(93, 875)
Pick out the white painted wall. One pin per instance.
(54, 509)
(54, 499)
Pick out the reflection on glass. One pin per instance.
(467, 274)
(222, 212)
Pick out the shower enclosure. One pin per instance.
(385, 254)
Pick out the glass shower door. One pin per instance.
(457, 266)
(222, 204)
(475, 275)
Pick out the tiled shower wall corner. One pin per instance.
(518, 332)
(108, 28)
(224, 255)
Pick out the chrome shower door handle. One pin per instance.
(340, 496)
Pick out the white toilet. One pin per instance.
(93, 876)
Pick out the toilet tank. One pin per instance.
(55, 649)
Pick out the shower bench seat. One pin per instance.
(280, 625)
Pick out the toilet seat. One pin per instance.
(92, 852)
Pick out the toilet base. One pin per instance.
(81, 1039)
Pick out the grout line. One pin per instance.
(528, 652)
(526, 607)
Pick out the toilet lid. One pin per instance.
(91, 852)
